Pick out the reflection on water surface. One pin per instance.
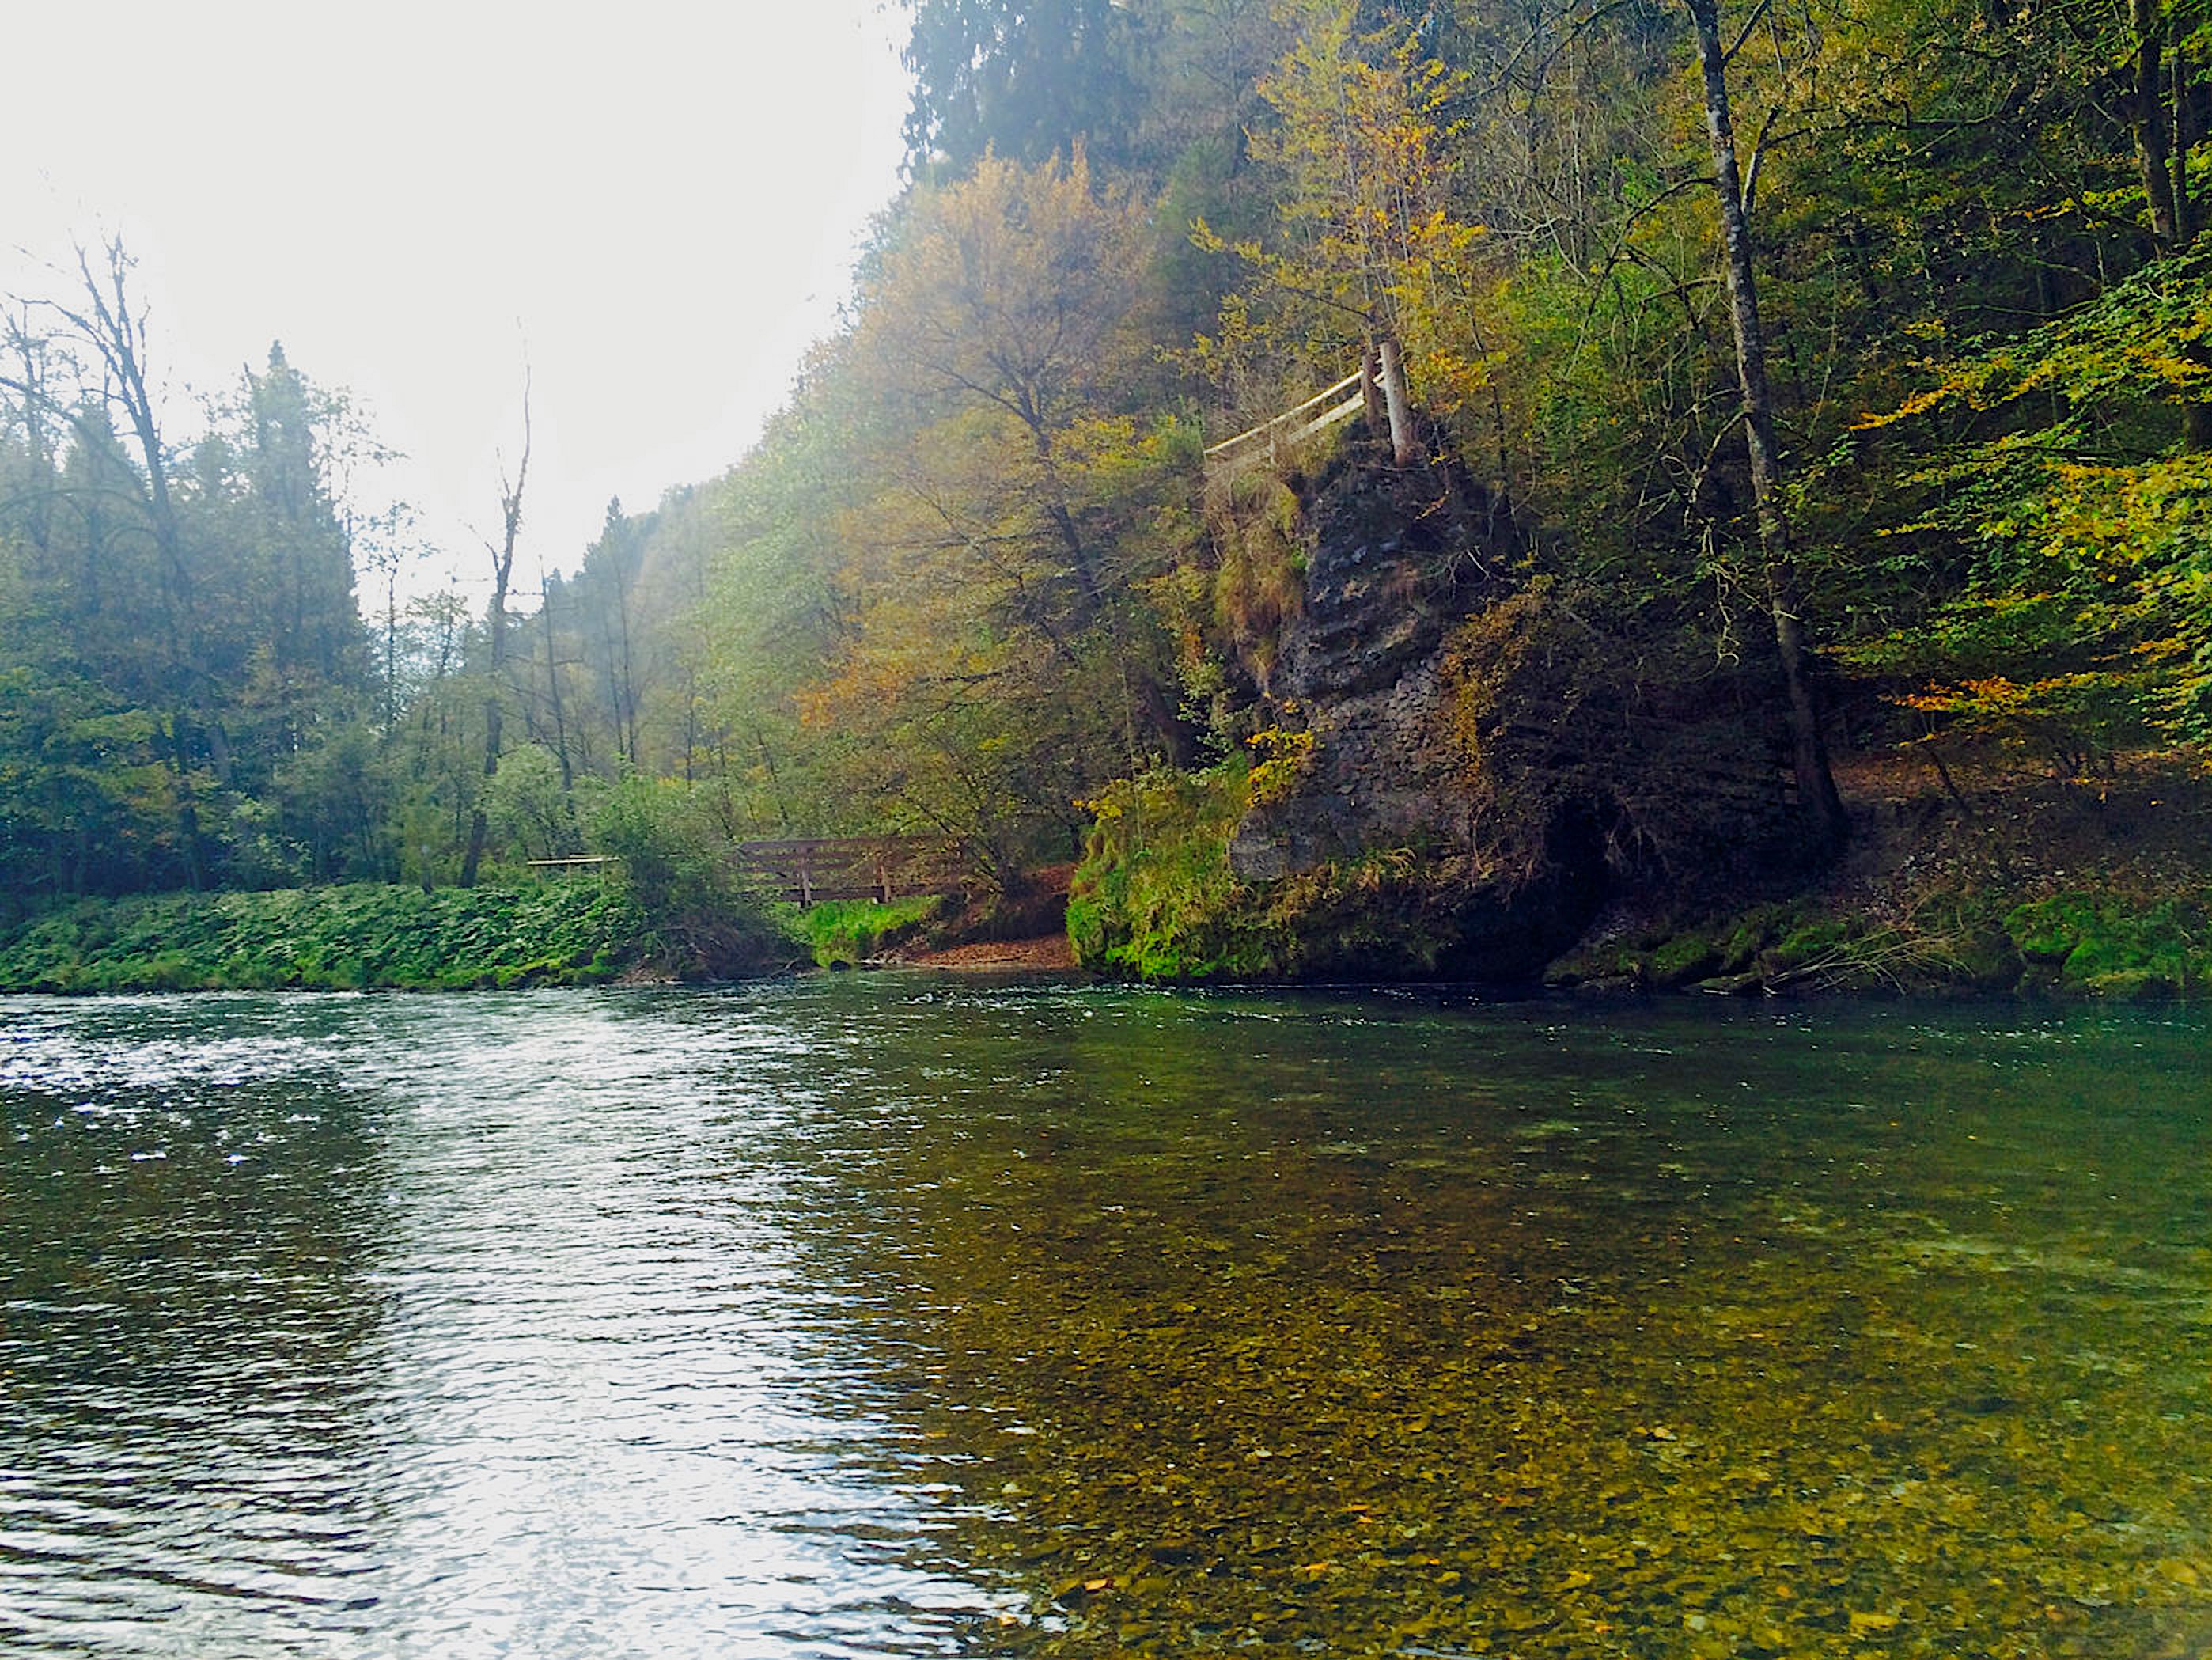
(884, 1316)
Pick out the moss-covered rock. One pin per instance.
(2104, 944)
(1988, 960)
(1685, 959)
(1156, 898)
(2076, 944)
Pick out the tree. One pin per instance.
(1031, 81)
(2082, 620)
(308, 553)
(106, 319)
(1366, 155)
(1002, 307)
(1816, 784)
(608, 580)
(502, 573)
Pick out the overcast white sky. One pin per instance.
(657, 202)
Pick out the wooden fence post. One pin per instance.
(1393, 395)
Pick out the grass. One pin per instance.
(848, 931)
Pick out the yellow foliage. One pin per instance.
(1285, 758)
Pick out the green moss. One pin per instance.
(1752, 934)
(2104, 944)
(2049, 930)
(1155, 897)
(1805, 946)
(2078, 943)
(1685, 959)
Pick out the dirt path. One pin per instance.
(1050, 954)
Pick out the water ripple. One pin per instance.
(845, 1319)
(453, 1327)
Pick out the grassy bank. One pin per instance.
(1986, 882)
(841, 932)
(2096, 943)
(581, 931)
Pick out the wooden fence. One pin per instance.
(1377, 386)
(1270, 440)
(885, 867)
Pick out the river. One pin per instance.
(890, 1315)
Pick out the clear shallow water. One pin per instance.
(872, 1317)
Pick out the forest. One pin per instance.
(1815, 381)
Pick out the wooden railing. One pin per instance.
(1269, 440)
(1377, 385)
(885, 867)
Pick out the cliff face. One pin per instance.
(1398, 559)
(1391, 570)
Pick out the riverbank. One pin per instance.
(578, 932)
(1964, 877)
(1968, 879)
(1050, 953)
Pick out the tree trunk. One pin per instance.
(553, 684)
(1816, 784)
(2154, 149)
(188, 812)
(2185, 135)
(503, 568)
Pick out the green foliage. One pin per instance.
(2147, 340)
(1155, 897)
(847, 931)
(580, 930)
(528, 808)
(2081, 943)
(678, 872)
(2105, 945)
(1026, 79)
(2084, 619)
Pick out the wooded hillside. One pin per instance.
(1849, 363)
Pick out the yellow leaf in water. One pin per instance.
(1872, 1621)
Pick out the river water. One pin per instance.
(894, 1316)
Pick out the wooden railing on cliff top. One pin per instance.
(1269, 439)
(1378, 386)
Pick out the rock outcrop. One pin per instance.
(1398, 559)
(1393, 565)
(1459, 765)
